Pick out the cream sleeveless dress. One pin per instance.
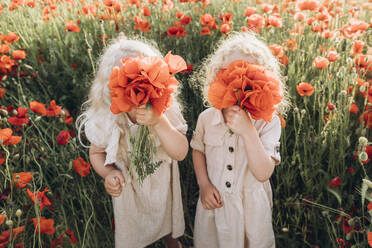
(143, 213)
(245, 218)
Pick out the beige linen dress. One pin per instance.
(245, 218)
(143, 213)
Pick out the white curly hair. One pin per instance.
(240, 46)
(99, 100)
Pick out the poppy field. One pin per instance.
(322, 189)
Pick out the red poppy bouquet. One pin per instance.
(251, 86)
(150, 81)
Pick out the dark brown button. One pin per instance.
(229, 167)
(231, 149)
(228, 184)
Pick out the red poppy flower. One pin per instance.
(357, 47)
(251, 86)
(21, 118)
(38, 107)
(255, 22)
(146, 11)
(311, 5)
(72, 237)
(6, 64)
(63, 137)
(72, 27)
(144, 80)
(67, 118)
(22, 179)
(205, 31)
(305, 88)
(58, 242)
(225, 28)
(176, 31)
(12, 37)
(364, 62)
(18, 54)
(369, 239)
(5, 236)
(333, 56)
(185, 20)
(208, 20)
(54, 109)
(330, 106)
(7, 138)
(320, 62)
(226, 18)
(299, 16)
(249, 11)
(90, 9)
(369, 206)
(353, 108)
(2, 218)
(4, 48)
(39, 198)
(81, 167)
(335, 182)
(46, 226)
(141, 24)
(274, 21)
(366, 119)
(2, 92)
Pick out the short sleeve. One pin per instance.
(270, 138)
(94, 131)
(176, 119)
(198, 136)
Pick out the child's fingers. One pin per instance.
(121, 179)
(114, 192)
(235, 108)
(212, 201)
(217, 196)
(114, 181)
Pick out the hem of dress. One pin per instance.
(153, 241)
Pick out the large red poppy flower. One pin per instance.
(251, 86)
(144, 80)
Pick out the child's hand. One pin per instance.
(210, 197)
(237, 120)
(114, 182)
(146, 116)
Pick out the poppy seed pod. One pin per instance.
(16, 156)
(363, 156)
(285, 229)
(367, 182)
(9, 223)
(4, 112)
(18, 213)
(363, 140)
(15, 112)
(343, 92)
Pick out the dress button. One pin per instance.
(231, 149)
(228, 184)
(229, 167)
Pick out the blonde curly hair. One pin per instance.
(240, 46)
(99, 100)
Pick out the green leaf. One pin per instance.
(336, 194)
